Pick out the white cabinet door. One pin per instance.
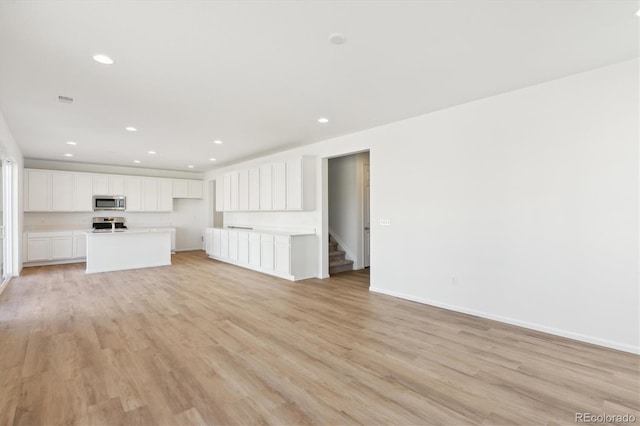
(243, 248)
(100, 185)
(38, 190)
(116, 185)
(149, 194)
(165, 195)
(82, 192)
(61, 248)
(294, 184)
(196, 189)
(233, 245)
(254, 249)
(282, 255)
(279, 186)
(266, 202)
(227, 193)
(224, 244)
(61, 191)
(266, 246)
(79, 246)
(133, 192)
(235, 193)
(180, 188)
(38, 249)
(254, 189)
(219, 194)
(216, 242)
(243, 190)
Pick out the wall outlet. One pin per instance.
(385, 222)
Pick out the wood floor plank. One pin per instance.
(204, 342)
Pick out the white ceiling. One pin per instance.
(258, 74)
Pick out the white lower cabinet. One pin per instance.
(293, 257)
(266, 252)
(208, 241)
(54, 246)
(254, 250)
(79, 245)
(243, 247)
(282, 249)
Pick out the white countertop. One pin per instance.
(132, 231)
(78, 229)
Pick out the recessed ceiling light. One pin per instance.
(131, 129)
(136, 161)
(65, 99)
(151, 152)
(72, 143)
(638, 13)
(217, 142)
(190, 166)
(68, 155)
(212, 159)
(323, 120)
(337, 38)
(103, 59)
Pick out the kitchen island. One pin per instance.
(128, 249)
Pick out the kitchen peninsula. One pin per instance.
(128, 249)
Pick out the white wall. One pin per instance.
(521, 207)
(9, 150)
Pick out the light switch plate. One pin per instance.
(385, 222)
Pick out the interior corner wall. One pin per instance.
(522, 207)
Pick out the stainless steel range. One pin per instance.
(108, 224)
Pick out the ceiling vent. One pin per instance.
(65, 99)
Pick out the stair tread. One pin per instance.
(340, 262)
(336, 253)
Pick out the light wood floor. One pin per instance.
(204, 342)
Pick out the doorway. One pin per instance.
(348, 211)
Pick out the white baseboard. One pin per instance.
(512, 321)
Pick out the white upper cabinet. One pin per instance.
(243, 190)
(227, 192)
(196, 189)
(187, 188)
(301, 182)
(82, 192)
(219, 194)
(116, 185)
(266, 190)
(254, 189)
(133, 192)
(235, 193)
(37, 190)
(100, 184)
(149, 194)
(279, 186)
(61, 191)
(165, 195)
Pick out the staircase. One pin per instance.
(337, 262)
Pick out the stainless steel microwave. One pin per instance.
(109, 202)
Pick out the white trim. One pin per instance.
(512, 321)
